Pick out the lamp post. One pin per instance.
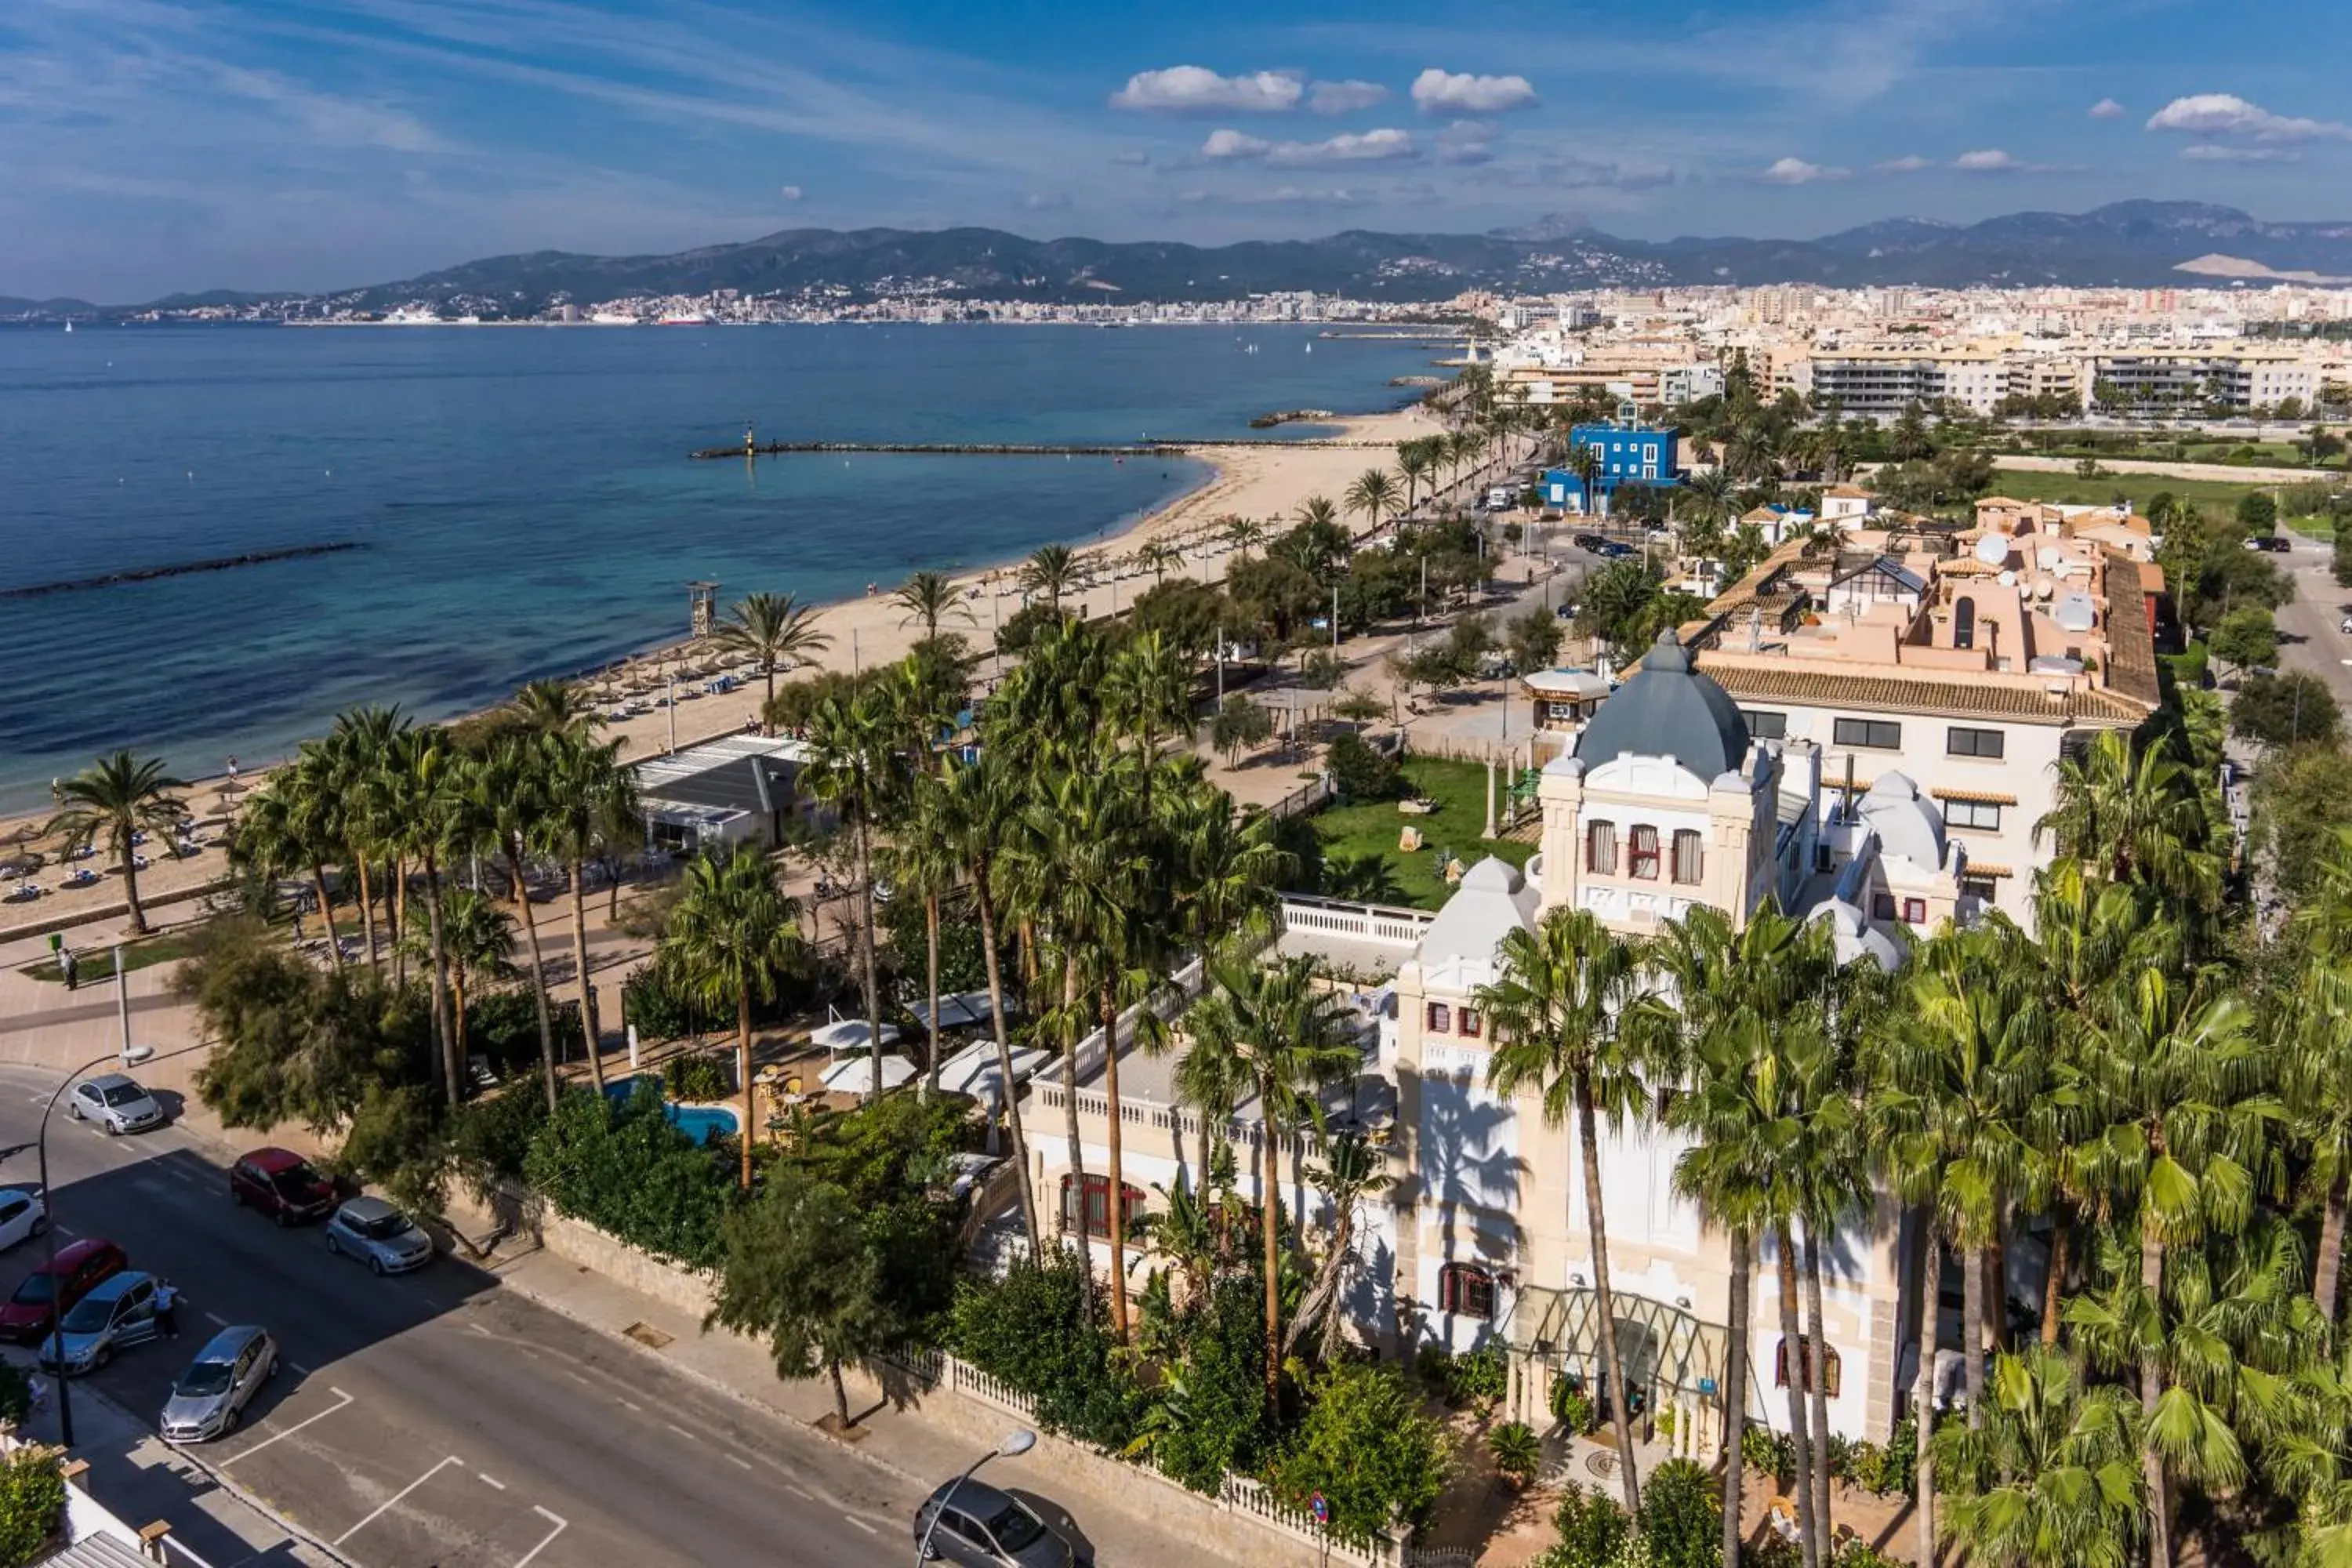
(130, 1055)
(1018, 1441)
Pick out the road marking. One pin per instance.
(215, 1319)
(396, 1498)
(279, 1437)
(630, 1403)
(586, 1383)
(682, 1432)
(738, 1460)
(524, 1560)
(299, 1370)
(801, 1492)
(64, 1229)
(861, 1524)
(489, 1479)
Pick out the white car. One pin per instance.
(115, 1102)
(23, 1217)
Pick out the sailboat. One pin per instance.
(69, 326)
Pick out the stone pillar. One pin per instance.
(1488, 831)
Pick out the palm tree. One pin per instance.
(976, 807)
(285, 828)
(552, 708)
(1245, 534)
(507, 795)
(1351, 1173)
(2318, 1079)
(356, 754)
(2172, 1076)
(1967, 1128)
(853, 769)
(928, 598)
(116, 799)
(479, 941)
(1374, 494)
(1414, 461)
(1156, 556)
(1053, 571)
(732, 935)
(1585, 464)
(1275, 1028)
(2132, 814)
(589, 795)
(774, 630)
(424, 818)
(2047, 1479)
(1317, 512)
(1553, 1008)
(925, 858)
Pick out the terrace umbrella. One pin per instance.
(854, 1075)
(848, 1034)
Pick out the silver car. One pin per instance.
(209, 1398)
(115, 1102)
(118, 1311)
(378, 1235)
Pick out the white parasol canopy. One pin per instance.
(854, 1075)
(974, 1070)
(850, 1035)
(964, 1010)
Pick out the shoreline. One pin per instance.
(1266, 481)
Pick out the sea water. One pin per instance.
(523, 499)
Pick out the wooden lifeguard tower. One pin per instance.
(702, 607)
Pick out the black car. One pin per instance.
(985, 1528)
(2270, 543)
(1593, 543)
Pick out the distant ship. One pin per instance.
(411, 316)
(69, 326)
(691, 318)
(611, 319)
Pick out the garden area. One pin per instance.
(1357, 839)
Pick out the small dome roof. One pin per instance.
(1907, 822)
(1668, 709)
(1852, 937)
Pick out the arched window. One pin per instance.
(1096, 1218)
(1964, 623)
(1833, 1375)
(1690, 859)
(1642, 861)
(1466, 1290)
(1600, 848)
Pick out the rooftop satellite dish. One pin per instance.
(2041, 590)
(1992, 548)
(2075, 612)
(2009, 579)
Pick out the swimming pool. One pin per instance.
(700, 1122)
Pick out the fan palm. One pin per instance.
(1373, 495)
(2132, 813)
(928, 598)
(1275, 1028)
(113, 801)
(1053, 571)
(1553, 1009)
(2318, 1079)
(1351, 1172)
(287, 828)
(732, 935)
(589, 796)
(1413, 463)
(1158, 557)
(507, 795)
(425, 821)
(774, 630)
(1243, 534)
(925, 858)
(853, 768)
(552, 708)
(1317, 512)
(359, 751)
(2048, 1478)
(479, 941)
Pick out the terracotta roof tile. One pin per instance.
(1818, 687)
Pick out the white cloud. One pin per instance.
(2219, 152)
(1044, 201)
(2226, 114)
(1280, 196)
(1441, 93)
(792, 193)
(1986, 161)
(1194, 89)
(1910, 165)
(1797, 171)
(2107, 109)
(1345, 97)
(1354, 147)
(1466, 142)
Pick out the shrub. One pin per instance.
(1364, 1445)
(692, 1076)
(1361, 771)
(1569, 1407)
(1480, 1378)
(1211, 1415)
(1682, 1517)
(16, 1394)
(659, 1010)
(1767, 1451)
(32, 1504)
(504, 1026)
(491, 1138)
(1518, 1453)
(1592, 1529)
(1039, 1330)
(625, 1168)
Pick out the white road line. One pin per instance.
(861, 1524)
(64, 1229)
(801, 1492)
(738, 1460)
(215, 1319)
(489, 1479)
(299, 1370)
(631, 1404)
(689, 1437)
(340, 1396)
(394, 1498)
(524, 1560)
(577, 1378)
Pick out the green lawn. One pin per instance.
(2026, 485)
(97, 964)
(1350, 832)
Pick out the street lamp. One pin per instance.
(1018, 1441)
(130, 1055)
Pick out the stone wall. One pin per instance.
(673, 1284)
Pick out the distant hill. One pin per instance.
(2135, 243)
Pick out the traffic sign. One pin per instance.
(1319, 1508)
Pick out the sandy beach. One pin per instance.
(1265, 483)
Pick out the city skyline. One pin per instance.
(292, 144)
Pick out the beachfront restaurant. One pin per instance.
(738, 789)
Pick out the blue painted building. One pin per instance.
(1628, 454)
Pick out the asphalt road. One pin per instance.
(2308, 625)
(434, 1421)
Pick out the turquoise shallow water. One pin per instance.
(523, 500)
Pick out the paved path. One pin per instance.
(2228, 472)
(2309, 637)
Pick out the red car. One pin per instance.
(26, 1317)
(281, 1184)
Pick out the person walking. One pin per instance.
(167, 1309)
(71, 967)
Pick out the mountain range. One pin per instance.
(2132, 244)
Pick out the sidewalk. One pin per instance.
(919, 1450)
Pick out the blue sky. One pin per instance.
(150, 146)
